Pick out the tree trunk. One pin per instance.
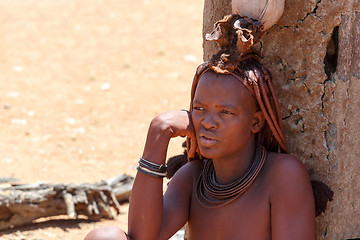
(313, 55)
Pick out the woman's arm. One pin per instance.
(292, 201)
(147, 208)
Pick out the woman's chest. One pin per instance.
(247, 217)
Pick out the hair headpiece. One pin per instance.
(236, 36)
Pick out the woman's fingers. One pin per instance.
(178, 124)
(181, 124)
(193, 147)
(191, 135)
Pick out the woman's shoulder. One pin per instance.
(282, 163)
(189, 172)
(286, 171)
(192, 168)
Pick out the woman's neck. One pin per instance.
(229, 168)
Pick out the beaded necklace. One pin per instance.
(212, 194)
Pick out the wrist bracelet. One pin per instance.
(152, 166)
(151, 173)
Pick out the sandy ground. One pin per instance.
(80, 81)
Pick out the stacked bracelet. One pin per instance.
(152, 166)
(152, 169)
(151, 173)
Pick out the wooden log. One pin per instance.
(23, 203)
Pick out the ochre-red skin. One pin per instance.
(279, 205)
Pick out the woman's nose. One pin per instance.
(209, 121)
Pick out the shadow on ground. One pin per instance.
(64, 224)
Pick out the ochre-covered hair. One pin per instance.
(235, 36)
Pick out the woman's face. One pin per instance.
(223, 114)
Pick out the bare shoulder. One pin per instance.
(291, 198)
(189, 171)
(286, 167)
(186, 175)
(287, 174)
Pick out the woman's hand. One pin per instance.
(174, 124)
(150, 216)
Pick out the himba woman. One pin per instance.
(239, 183)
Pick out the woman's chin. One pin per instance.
(208, 153)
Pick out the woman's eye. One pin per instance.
(227, 112)
(198, 108)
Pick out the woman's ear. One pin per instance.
(258, 123)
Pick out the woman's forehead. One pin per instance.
(225, 82)
(223, 88)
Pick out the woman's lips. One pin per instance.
(206, 141)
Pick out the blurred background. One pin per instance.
(81, 80)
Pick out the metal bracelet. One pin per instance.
(151, 173)
(152, 166)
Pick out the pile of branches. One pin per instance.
(21, 204)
